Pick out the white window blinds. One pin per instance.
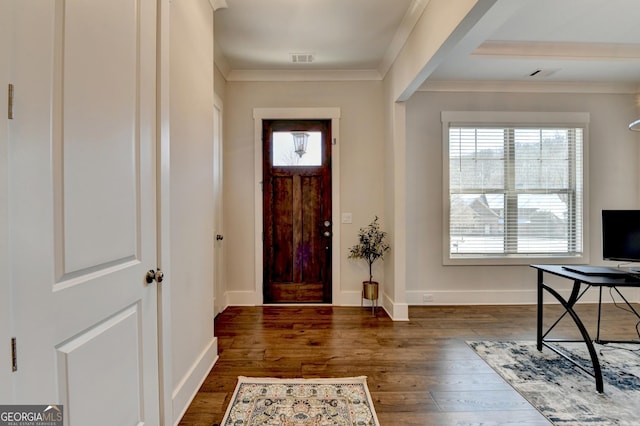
(515, 190)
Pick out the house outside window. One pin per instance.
(515, 187)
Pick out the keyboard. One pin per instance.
(602, 271)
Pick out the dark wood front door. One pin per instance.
(297, 211)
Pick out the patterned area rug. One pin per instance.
(301, 402)
(562, 392)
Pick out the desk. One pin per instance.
(581, 283)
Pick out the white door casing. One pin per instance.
(333, 114)
(218, 262)
(82, 209)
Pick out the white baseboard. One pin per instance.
(470, 297)
(397, 311)
(497, 297)
(188, 387)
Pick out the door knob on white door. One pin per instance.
(152, 276)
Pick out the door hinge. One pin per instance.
(10, 102)
(335, 141)
(14, 355)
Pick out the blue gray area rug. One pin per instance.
(562, 392)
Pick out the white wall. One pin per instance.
(361, 170)
(410, 191)
(441, 26)
(191, 189)
(613, 179)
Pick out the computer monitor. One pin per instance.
(621, 235)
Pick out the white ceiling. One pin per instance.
(341, 34)
(569, 40)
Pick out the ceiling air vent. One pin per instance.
(301, 58)
(543, 72)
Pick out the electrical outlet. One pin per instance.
(427, 297)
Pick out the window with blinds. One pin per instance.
(515, 191)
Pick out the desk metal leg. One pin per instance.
(568, 306)
(599, 314)
(540, 304)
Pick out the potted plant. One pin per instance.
(371, 246)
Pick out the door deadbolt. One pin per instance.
(152, 276)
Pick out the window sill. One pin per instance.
(516, 260)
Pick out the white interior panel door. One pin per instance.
(5, 293)
(82, 209)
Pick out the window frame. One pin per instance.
(514, 119)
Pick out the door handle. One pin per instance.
(152, 276)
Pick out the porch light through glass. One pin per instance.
(285, 153)
(300, 142)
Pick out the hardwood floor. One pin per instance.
(420, 372)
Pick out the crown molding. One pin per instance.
(303, 75)
(218, 4)
(529, 87)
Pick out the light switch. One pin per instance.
(347, 218)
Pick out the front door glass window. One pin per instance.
(284, 150)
